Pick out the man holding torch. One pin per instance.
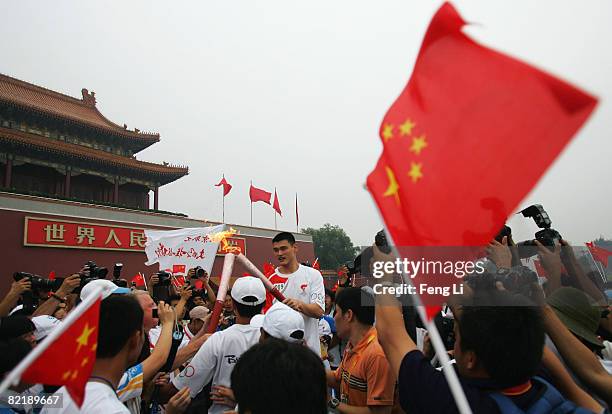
(301, 285)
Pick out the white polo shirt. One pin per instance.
(100, 398)
(216, 360)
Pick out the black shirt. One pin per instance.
(423, 389)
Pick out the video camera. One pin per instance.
(547, 236)
(355, 266)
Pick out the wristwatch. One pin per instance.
(333, 403)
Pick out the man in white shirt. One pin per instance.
(302, 286)
(217, 357)
(120, 338)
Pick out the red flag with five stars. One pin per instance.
(600, 254)
(468, 138)
(66, 357)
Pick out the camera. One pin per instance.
(95, 271)
(198, 272)
(38, 283)
(117, 276)
(548, 236)
(29, 299)
(164, 278)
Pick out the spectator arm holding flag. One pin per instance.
(12, 297)
(578, 357)
(50, 305)
(159, 355)
(565, 384)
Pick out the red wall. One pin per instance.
(41, 260)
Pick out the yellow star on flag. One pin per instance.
(418, 143)
(387, 132)
(83, 340)
(415, 171)
(393, 189)
(406, 127)
(84, 361)
(66, 375)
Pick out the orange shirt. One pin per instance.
(365, 375)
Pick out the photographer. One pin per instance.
(49, 306)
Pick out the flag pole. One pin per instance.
(223, 201)
(251, 203)
(14, 376)
(597, 264)
(297, 220)
(436, 340)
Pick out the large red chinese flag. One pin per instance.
(227, 187)
(468, 137)
(258, 194)
(276, 204)
(68, 359)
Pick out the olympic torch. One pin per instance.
(256, 272)
(226, 274)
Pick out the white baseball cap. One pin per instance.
(44, 325)
(108, 288)
(257, 321)
(282, 322)
(249, 287)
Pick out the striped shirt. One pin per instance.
(364, 374)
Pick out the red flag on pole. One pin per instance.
(258, 194)
(442, 179)
(276, 204)
(600, 254)
(66, 357)
(227, 187)
(138, 280)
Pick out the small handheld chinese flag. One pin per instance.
(468, 138)
(600, 254)
(257, 194)
(138, 280)
(227, 187)
(66, 357)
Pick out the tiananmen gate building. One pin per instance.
(73, 190)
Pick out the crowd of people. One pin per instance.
(532, 346)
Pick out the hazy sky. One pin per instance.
(291, 94)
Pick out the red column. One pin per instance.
(8, 172)
(116, 193)
(156, 198)
(67, 183)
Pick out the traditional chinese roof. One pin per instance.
(81, 111)
(164, 174)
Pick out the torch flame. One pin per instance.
(221, 237)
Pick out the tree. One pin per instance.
(332, 246)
